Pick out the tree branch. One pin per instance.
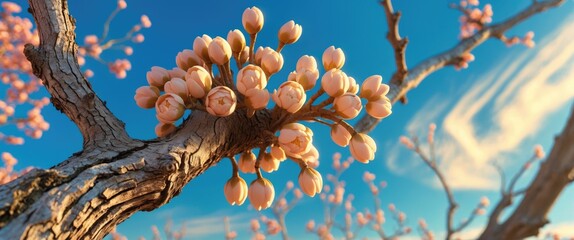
(399, 44)
(417, 74)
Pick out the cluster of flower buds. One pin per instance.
(194, 85)
(7, 172)
(473, 18)
(527, 40)
(94, 46)
(463, 61)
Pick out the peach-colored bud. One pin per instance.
(335, 82)
(310, 181)
(179, 87)
(146, 96)
(176, 73)
(290, 32)
(261, 193)
(256, 98)
(340, 135)
(348, 105)
(368, 177)
(187, 59)
(539, 152)
(163, 129)
(90, 39)
(246, 162)
(306, 62)
(484, 202)
(219, 51)
(157, 77)
(122, 4)
(353, 86)
(407, 142)
(363, 147)
(128, 50)
(138, 38)
(372, 88)
(146, 23)
(311, 157)
(251, 77)
(289, 185)
(221, 101)
(333, 58)
(307, 79)
(480, 211)
(10, 7)
(268, 163)
(252, 20)
(236, 40)
(198, 81)
(380, 108)
(169, 108)
(310, 225)
(200, 47)
(235, 190)
(295, 139)
(292, 76)
(278, 153)
(270, 61)
(290, 96)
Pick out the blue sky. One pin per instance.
(501, 84)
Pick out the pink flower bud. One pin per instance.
(368, 177)
(235, 190)
(187, 59)
(244, 56)
(219, 51)
(90, 39)
(310, 225)
(290, 96)
(250, 77)
(295, 139)
(407, 142)
(122, 4)
(10, 7)
(198, 81)
(353, 86)
(200, 47)
(278, 153)
(539, 152)
(169, 108)
(363, 148)
(176, 73)
(348, 105)
(146, 23)
(157, 77)
(236, 40)
(221, 101)
(252, 20)
(268, 163)
(246, 162)
(128, 50)
(333, 58)
(163, 129)
(146, 96)
(307, 79)
(256, 98)
(484, 202)
(311, 157)
(372, 88)
(340, 135)
(290, 32)
(310, 181)
(261, 193)
(335, 82)
(270, 61)
(380, 108)
(179, 87)
(138, 38)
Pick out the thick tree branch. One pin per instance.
(417, 74)
(399, 44)
(555, 173)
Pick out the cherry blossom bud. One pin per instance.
(244, 56)
(176, 73)
(292, 76)
(198, 81)
(169, 108)
(290, 32)
(311, 157)
(251, 77)
(128, 50)
(252, 20)
(157, 77)
(310, 225)
(539, 152)
(310, 181)
(246, 162)
(335, 82)
(348, 105)
(261, 193)
(139, 38)
(256, 98)
(372, 88)
(380, 108)
(200, 47)
(333, 58)
(122, 4)
(221, 101)
(295, 139)
(235, 190)
(363, 147)
(179, 87)
(290, 96)
(236, 40)
(306, 62)
(10, 7)
(307, 79)
(407, 142)
(163, 129)
(271, 61)
(278, 153)
(353, 86)
(146, 23)
(146, 96)
(187, 59)
(219, 51)
(268, 163)
(484, 202)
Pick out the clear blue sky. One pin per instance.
(359, 28)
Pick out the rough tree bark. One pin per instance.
(114, 176)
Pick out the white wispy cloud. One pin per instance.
(519, 96)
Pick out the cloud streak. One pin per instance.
(502, 109)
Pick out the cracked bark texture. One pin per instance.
(114, 176)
